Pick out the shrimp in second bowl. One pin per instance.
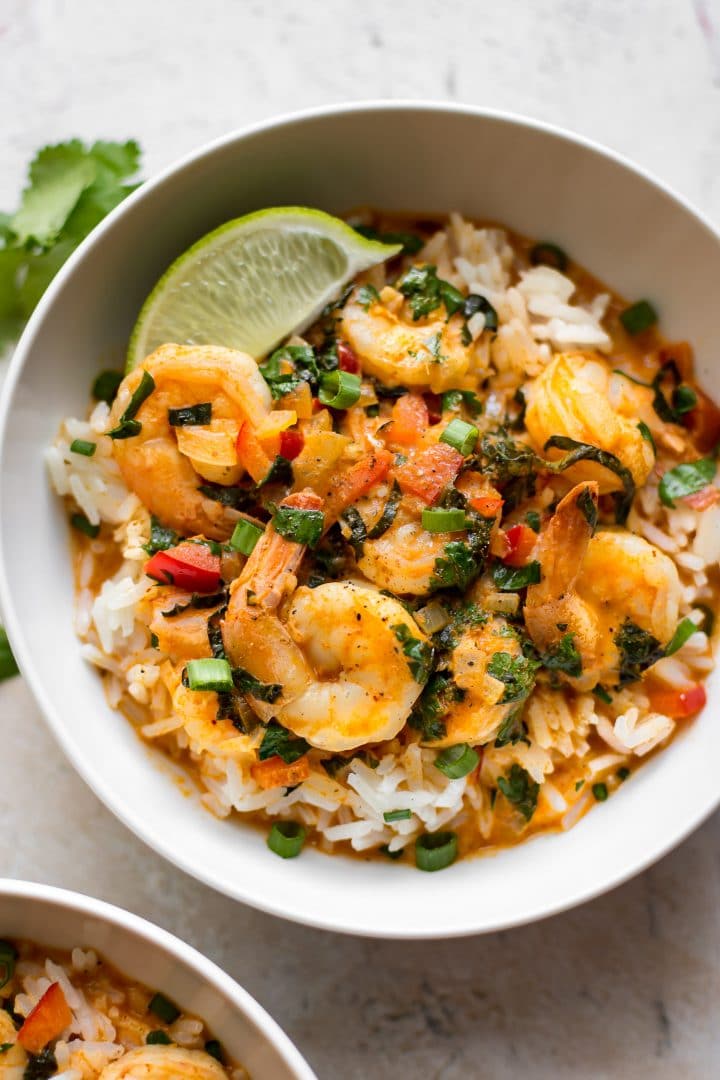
(596, 586)
(570, 398)
(345, 662)
(148, 446)
(164, 1063)
(402, 352)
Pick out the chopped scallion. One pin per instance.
(191, 414)
(397, 815)
(638, 317)
(461, 436)
(158, 1038)
(128, 425)
(600, 791)
(286, 839)
(83, 525)
(81, 446)
(245, 536)
(548, 254)
(441, 521)
(435, 851)
(209, 674)
(457, 761)
(339, 389)
(163, 1007)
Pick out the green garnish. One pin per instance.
(82, 523)
(191, 414)
(248, 684)
(8, 956)
(71, 187)
(286, 839)
(708, 619)
(440, 521)
(388, 515)
(161, 538)
(425, 292)
(638, 650)
(279, 742)
(647, 435)
(81, 446)
(214, 1048)
(456, 568)
(639, 317)
(474, 304)
(385, 849)
(588, 505)
(106, 386)
(302, 526)
(339, 389)
(457, 761)
(519, 789)
(419, 654)
(600, 692)
(245, 536)
(579, 451)
(397, 815)
(8, 668)
(437, 698)
(461, 436)
(686, 479)
(564, 657)
(685, 630)
(622, 773)
(367, 295)
(128, 425)
(411, 242)
(435, 851)
(163, 1007)
(516, 672)
(549, 254)
(158, 1038)
(533, 519)
(209, 674)
(512, 578)
(600, 791)
(579, 784)
(358, 531)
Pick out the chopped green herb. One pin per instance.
(639, 317)
(638, 650)
(452, 400)
(305, 367)
(564, 657)
(600, 791)
(214, 1048)
(279, 742)
(623, 773)
(456, 568)
(191, 414)
(533, 519)
(239, 498)
(158, 1038)
(520, 789)
(106, 386)
(397, 815)
(411, 242)
(436, 700)
(164, 1008)
(685, 630)
(286, 839)
(512, 578)
(579, 784)
(302, 526)
(154, 641)
(467, 615)
(579, 451)
(708, 620)
(128, 425)
(81, 446)
(358, 531)
(600, 692)
(161, 538)
(549, 254)
(435, 851)
(280, 472)
(367, 296)
(425, 292)
(84, 525)
(419, 653)
(457, 761)
(385, 849)
(686, 479)
(516, 672)
(647, 435)
(513, 728)
(41, 1066)
(248, 684)
(475, 304)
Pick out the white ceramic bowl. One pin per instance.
(61, 919)
(615, 220)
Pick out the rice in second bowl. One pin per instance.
(570, 746)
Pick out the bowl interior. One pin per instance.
(60, 919)
(611, 218)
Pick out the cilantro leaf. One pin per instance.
(161, 537)
(436, 700)
(279, 742)
(563, 657)
(516, 672)
(686, 479)
(519, 789)
(248, 684)
(638, 650)
(512, 578)
(58, 176)
(419, 653)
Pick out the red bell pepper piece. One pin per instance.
(347, 360)
(291, 443)
(521, 540)
(189, 566)
(47, 1020)
(679, 704)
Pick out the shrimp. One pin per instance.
(336, 651)
(591, 584)
(164, 1063)
(206, 730)
(183, 634)
(429, 353)
(570, 397)
(14, 1059)
(481, 712)
(164, 478)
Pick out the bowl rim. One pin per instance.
(334, 920)
(155, 936)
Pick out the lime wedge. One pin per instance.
(253, 281)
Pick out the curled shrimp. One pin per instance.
(590, 584)
(571, 398)
(480, 713)
(402, 352)
(336, 651)
(164, 1063)
(166, 480)
(13, 1060)
(181, 634)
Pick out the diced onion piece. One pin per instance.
(432, 617)
(212, 450)
(502, 603)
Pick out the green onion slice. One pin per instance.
(600, 791)
(440, 521)
(84, 525)
(460, 435)
(457, 761)
(81, 446)
(339, 389)
(638, 317)
(209, 674)
(245, 536)
(302, 526)
(435, 851)
(397, 815)
(128, 425)
(163, 1007)
(191, 414)
(106, 386)
(549, 254)
(158, 1038)
(685, 630)
(286, 839)
(8, 664)
(214, 1048)
(8, 956)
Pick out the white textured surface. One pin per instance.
(627, 986)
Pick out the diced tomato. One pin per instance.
(487, 505)
(47, 1020)
(273, 772)
(521, 540)
(347, 360)
(410, 420)
(291, 443)
(188, 566)
(703, 422)
(681, 354)
(251, 454)
(678, 704)
(427, 473)
(356, 481)
(434, 404)
(701, 500)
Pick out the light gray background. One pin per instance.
(627, 986)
